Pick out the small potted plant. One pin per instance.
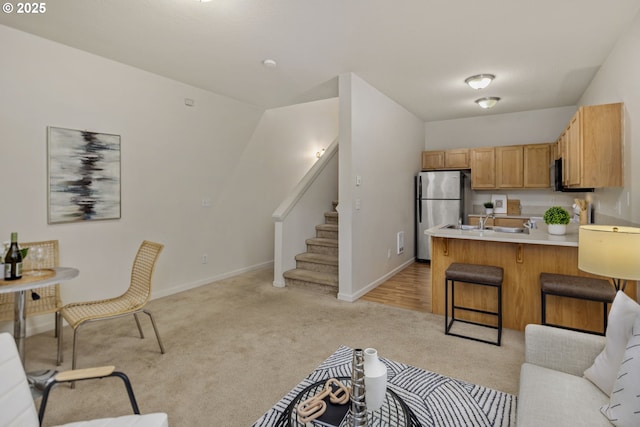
(488, 208)
(557, 219)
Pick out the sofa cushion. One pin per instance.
(554, 398)
(624, 408)
(604, 370)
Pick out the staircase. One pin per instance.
(318, 267)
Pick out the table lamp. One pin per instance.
(610, 251)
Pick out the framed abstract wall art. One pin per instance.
(83, 175)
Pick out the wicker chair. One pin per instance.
(49, 297)
(133, 301)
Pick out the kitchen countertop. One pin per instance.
(537, 236)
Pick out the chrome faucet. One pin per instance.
(482, 222)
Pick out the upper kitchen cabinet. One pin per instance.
(591, 147)
(509, 166)
(483, 168)
(445, 159)
(537, 158)
(432, 160)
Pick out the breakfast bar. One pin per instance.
(523, 256)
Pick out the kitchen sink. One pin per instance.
(510, 229)
(461, 227)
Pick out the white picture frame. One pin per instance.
(499, 203)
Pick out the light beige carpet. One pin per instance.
(237, 346)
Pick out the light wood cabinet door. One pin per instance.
(432, 160)
(483, 168)
(510, 222)
(572, 162)
(456, 159)
(537, 160)
(509, 167)
(592, 157)
(601, 127)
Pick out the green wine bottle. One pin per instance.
(13, 260)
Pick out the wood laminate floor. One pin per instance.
(409, 288)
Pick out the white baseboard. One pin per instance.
(46, 322)
(186, 286)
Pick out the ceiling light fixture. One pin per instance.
(269, 63)
(480, 81)
(487, 102)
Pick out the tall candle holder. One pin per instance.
(358, 412)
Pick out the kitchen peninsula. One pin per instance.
(523, 256)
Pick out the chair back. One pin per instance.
(50, 300)
(144, 264)
(16, 403)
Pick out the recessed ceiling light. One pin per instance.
(480, 81)
(487, 102)
(203, 1)
(269, 63)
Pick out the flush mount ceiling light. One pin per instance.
(480, 81)
(487, 102)
(269, 63)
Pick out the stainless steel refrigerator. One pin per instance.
(440, 198)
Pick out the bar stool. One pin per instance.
(579, 287)
(482, 275)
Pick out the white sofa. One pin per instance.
(553, 391)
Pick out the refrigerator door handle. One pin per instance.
(420, 199)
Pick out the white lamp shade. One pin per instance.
(609, 251)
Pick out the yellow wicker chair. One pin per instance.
(49, 301)
(133, 301)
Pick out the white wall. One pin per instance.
(380, 142)
(243, 159)
(528, 127)
(617, 81)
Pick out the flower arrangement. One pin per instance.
(488, 205)
(556, 215)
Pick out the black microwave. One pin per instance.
(556, 180)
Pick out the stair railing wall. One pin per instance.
(299, 213)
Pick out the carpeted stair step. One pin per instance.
(327, 231)
(331, 218)
(318, 281)
(320, 245)
(317, 262)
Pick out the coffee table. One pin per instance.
(417, 398)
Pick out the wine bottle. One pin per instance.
(13, 260)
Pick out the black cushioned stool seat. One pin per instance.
(587, 288)
(482, 275)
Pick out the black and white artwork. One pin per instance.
(84, 175)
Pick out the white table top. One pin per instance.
(61, 274)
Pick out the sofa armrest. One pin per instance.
(561, 349)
